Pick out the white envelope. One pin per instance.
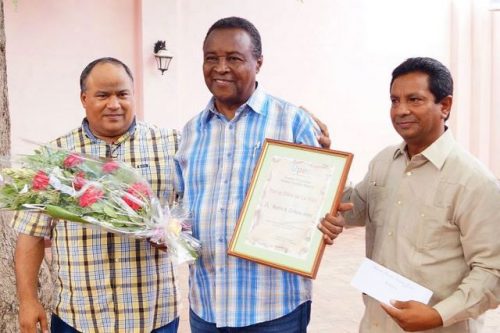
(384, 285)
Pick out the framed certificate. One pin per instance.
(292, 188)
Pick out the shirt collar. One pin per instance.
(255, 103)
(94, 139)
(436, 153)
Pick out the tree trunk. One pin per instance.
(8, 299)
(4, 106)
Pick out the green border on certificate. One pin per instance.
(292, 188)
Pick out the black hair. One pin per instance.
(234, 22)
(440, 80)
(88, 69)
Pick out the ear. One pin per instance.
(83, 99)
(260, 60)
(446, 106)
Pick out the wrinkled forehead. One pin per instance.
(416, 81)
(109, 75)
(228, 40)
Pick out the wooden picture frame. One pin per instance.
(292, 188)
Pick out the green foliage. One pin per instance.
(62, 200)
(72, 187)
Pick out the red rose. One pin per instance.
(79, 180)
(72, 160)
(110, 167)
(139, 191)
(132, 204)
(90, 197)
(40, 181)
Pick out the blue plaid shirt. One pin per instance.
(215, 163)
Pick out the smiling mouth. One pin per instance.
(223, 81)
(405, 124)
(113, 116)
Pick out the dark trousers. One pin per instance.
(57, 325)
(294, 322)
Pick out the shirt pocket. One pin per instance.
(248, 151)
(246, 157)
(377, 203)
(436, 228)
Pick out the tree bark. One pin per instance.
(4, 104)
(8, 299)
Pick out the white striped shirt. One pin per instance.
(215, 163)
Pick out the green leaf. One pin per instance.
(63, 214)
(110, 211)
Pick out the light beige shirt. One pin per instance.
(435, 219)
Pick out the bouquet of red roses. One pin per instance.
(100, 193)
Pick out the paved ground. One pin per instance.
(337, 307)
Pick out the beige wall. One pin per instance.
(48, 45)
(332, 56)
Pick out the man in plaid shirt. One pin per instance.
(104, 282)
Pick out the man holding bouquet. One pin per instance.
(219, 150)
(104, 282)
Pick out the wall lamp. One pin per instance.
(163, 57)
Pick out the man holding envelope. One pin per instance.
(431, 212)
(216, 158)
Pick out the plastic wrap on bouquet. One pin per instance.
(98, 193)
(176, 235)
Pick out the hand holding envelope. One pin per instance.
(404, 300)
(413, 316)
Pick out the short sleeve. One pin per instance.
(32, 223)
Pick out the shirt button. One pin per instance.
(389, 233)
(221, 240)
(408, 173)
(231, 127)
(400, 202)
(422, 215)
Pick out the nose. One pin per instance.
(113, 102)
(221, 66)
(400, 108)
